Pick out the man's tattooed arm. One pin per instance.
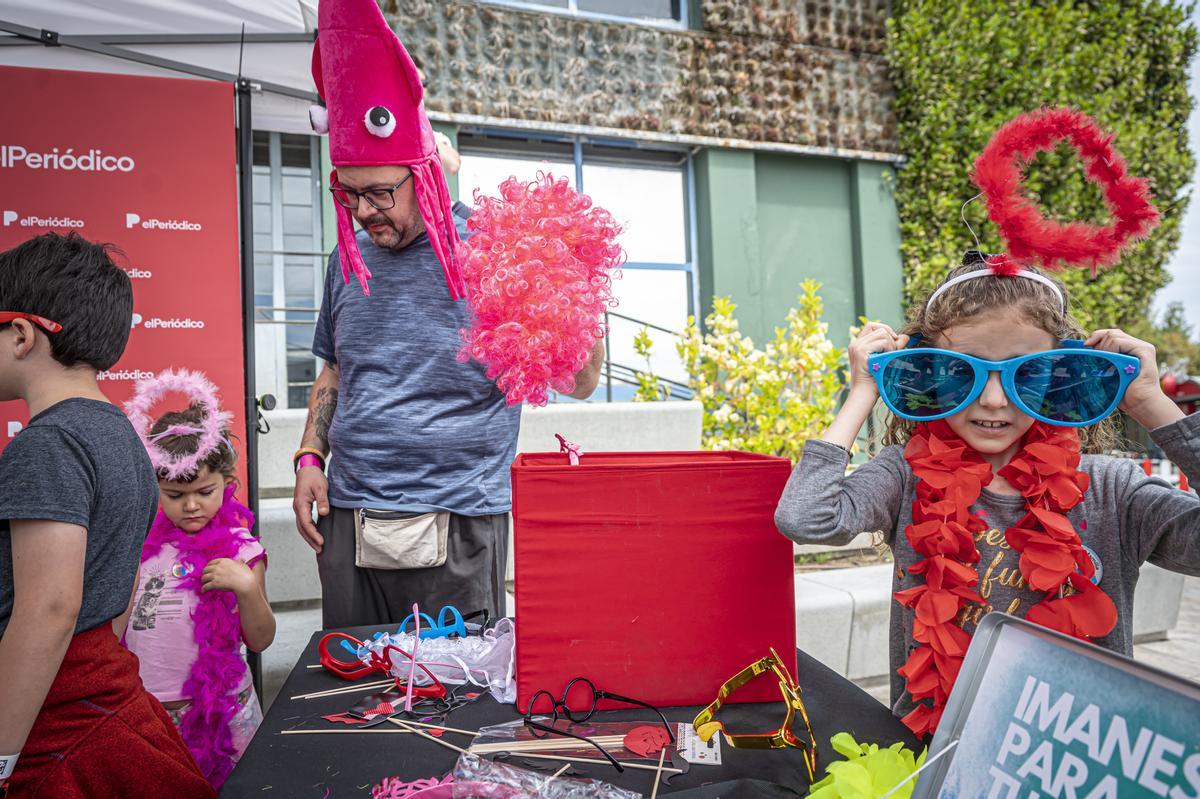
(321, 406)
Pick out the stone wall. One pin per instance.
(805, 73)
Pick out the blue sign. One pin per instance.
(1042, 716)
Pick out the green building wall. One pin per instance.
(768, 221)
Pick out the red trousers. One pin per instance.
(100, 734)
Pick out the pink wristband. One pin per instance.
(309, 460)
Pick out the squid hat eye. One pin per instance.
(318, 117)
(380, 122)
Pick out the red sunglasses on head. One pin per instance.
(41, 321)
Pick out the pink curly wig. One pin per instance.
(537, 271)
(200, 391)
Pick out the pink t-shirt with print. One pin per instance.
(160, 630)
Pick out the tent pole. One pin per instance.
(245, 160)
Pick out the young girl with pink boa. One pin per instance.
(201, 592)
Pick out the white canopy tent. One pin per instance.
(201, 33)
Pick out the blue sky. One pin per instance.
(1185, 263)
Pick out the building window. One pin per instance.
(648, 192)
(655, 12)
(288, 264)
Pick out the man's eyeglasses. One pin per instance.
(584, 695)
(8, 317)
(381, 199)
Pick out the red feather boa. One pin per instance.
(1031, 237)
(951, 476)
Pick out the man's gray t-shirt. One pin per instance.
(1125, 519)
(415, 429)
(80, 462)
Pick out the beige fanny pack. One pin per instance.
(398, 540)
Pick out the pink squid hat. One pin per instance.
(374, 116)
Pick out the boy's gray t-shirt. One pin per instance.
(1125, 519)
(415, 429)
(80, 462)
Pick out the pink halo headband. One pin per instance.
(200, 391)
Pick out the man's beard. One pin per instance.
(390, 238)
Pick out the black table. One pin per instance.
(340, 765)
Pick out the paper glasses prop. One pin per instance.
(199, 391)
(707, 725)
(1071, 386)
(455, 627)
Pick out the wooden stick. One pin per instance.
(557, 743)
(345, 689)
(452, 746)
(491, 749)
(349, 689)
(662, 755)
(438, 727)
(332, 732)
(560, 772)
(626, 764)
(386, 729)
(446, 744)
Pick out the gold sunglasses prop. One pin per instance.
(706, 725)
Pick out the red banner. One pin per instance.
(147, 164)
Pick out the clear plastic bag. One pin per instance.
(480, 778)
(483, 660)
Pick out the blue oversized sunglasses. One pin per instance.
(1071, 386)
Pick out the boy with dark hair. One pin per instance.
(77, 495)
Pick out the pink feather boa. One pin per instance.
(219, 666)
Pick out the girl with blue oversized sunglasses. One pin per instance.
(983, 492)
(990, 414)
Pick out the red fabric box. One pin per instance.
(657, 575)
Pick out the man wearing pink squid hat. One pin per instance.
(418, 445)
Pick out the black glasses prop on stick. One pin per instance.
(583, 694)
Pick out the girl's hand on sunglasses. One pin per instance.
(874, 337)
(1144, 399)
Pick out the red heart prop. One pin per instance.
(646, 741)
(1031, 236)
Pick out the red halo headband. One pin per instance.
(1031, 237)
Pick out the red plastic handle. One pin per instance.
(347, 670)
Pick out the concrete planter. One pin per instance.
(842, 615)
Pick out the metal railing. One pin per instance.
(628, 375)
